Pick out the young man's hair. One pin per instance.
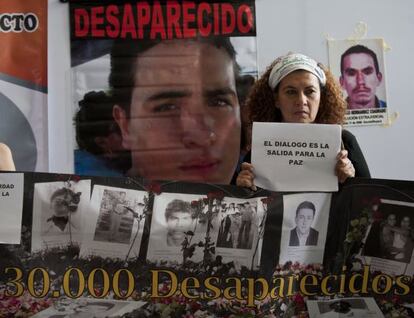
(306, 205)
(94, 119)
(177, 205)
(125, 53)
(357, 49)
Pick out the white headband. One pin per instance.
(293, 62)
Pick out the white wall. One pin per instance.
(282, 26)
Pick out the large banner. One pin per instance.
(127, 247)
(159, 87)
(23, 82)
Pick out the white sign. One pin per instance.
(357, 307)
(11, 207)
(295, 157)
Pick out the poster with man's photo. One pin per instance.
(389, 242)
(163, 91)
(359, 66)
(188, 227)
(58, 212)
(23, 82)
(305, 224)
(115, 222)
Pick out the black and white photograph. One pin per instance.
(181, 228)
(240, 228)
(389, 242)
(58, 211)
(89, 308)
(116, 221)
(344, 307)
(187, 227)
(360, 69)
(305, 222)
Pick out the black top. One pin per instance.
(354, 154)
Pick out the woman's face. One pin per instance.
(298, 97)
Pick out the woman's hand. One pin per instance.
(6, 159)
(344, 168)
(246, 176)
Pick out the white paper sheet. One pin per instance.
(295, 157)
(11, 207)
(360, 307)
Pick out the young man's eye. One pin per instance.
(168, 107)
(220, 102)
(350, 72)
(368, 71)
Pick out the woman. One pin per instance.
(296, 89)
(6, 159)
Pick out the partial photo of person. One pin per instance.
(357, 307)
(387, 236)
(58, 212)
(63, 204)
(303, 234)
(89, 308)
(403, 241)
(180, 219)
(6, 158)
(391, 239)
(396, 239)
(115, 220)
(225, 237)
(244, 239)
(360, 77)
(99, 140)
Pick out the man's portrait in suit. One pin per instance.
(303, 234)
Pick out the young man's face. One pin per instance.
(391, 220)
(178, 223)
(304, 220)
(60, 205)
(405, 222)
(184, 122)
(360, 80)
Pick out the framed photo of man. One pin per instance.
(305, 223)
(389, 242)
(359, 66)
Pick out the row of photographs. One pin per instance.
(109, 220)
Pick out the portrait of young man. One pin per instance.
(360, 77)
(177, 107)
(303, 234)
(180, 220)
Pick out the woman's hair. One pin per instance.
(261, 101)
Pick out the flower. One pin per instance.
(219, 195)
(154, 187)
